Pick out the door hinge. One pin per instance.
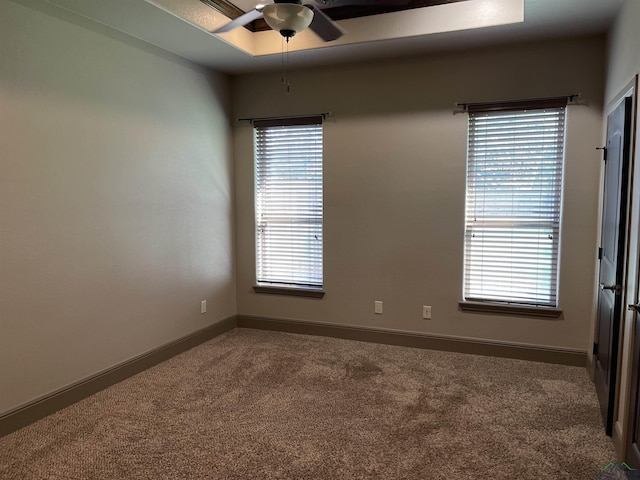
(595, 349)
(599, 253)
(604, 152)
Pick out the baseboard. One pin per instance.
(591, 368)
(618, 439)
(33, 411)
(619, 443)
(431, 342)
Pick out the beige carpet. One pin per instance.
(263, 405)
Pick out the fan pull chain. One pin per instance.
(284, 80)
(287, 69)
(285, 65)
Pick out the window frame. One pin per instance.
(262, 285)
(505, 306)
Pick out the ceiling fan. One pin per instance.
(289, 17)
(292, 16)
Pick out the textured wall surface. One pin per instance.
(116, 205)
(394, 173)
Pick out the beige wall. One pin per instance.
(623, 64)
(116, 212)
(623, 50)
(394, 178)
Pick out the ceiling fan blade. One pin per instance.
(323, 26)
(240, 21)
(400, 4)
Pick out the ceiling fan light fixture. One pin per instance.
(287, 18)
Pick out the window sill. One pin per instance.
(503, 309)
(293, 291)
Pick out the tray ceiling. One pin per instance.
(183, 27)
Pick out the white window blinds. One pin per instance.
(289, 202)
(514, 191)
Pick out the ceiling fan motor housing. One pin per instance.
(287, 17)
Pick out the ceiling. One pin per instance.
(183, 28)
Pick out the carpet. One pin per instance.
(254, 404)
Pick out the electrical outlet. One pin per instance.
(377, 307)
(203, 306)
(426, 312)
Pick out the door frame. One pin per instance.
(610, 345)
(631, 267)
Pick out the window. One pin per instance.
(513, 200)
(288, 156)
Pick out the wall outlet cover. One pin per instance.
(377, 307)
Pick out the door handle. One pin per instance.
(614, 288)
(635, 307)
